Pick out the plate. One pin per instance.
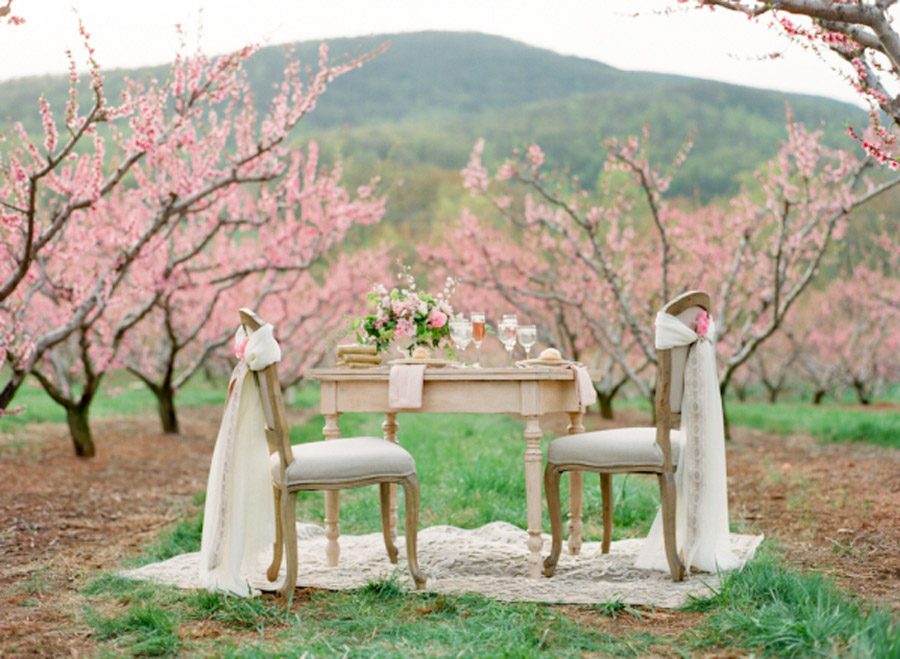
(525, 363)
(437, 363)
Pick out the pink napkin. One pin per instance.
(584, 387)
(405, 392)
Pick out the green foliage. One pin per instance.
(769, 608)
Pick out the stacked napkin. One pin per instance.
(358, 356)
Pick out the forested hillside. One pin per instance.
(413, 113)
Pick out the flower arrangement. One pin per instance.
(405, 312)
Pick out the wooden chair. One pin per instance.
(335, 464)
(631, 450)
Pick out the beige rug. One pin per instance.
(490, 560)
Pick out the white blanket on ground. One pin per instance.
(701, 525)
(239, 517)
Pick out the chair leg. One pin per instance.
(667, 499)
(386, 521)
(551, 488)
(278, 548)
(289, 529)
(606, 494)
(411, 495)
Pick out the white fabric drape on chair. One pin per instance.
(701, 526)
(239, 517)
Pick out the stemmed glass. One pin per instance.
(507, 331)
(527, 335)
(477, 335)
(461, 333)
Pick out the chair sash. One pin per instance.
(701, 525)
(239, 517)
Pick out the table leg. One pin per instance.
(533, 493)
(390, 427)
(332, 501)
(576, 486)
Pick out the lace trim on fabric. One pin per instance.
(230, 422)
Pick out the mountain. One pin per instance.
(420, 106)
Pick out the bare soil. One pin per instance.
(63, 520)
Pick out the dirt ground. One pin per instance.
(831, 507)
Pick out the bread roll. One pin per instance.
(550, 354)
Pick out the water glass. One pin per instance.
(527, 335)
(461, 333)
(507, 331)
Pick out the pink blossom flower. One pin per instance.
(404, 328)
(701, 325)
(437, 319)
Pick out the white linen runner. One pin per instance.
(239, 517)
(701, 526)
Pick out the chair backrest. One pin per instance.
(277, 430)
(671, 362)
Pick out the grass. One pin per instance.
(831, 423)
(773, 610)
(483, 483)
(767, 609)
(379, 619)
(121, 395)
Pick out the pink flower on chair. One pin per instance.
(701, 325)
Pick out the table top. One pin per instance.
(446, 374)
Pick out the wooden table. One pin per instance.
(529, 393)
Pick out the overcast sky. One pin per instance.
(718, 46)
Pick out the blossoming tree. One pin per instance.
(84, 212)
(758, 255)
(862, 35)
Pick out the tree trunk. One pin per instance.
(605, 400)
(10, 389)
(80, 430)
(741, 392)
(773, 393)
(165, 399)
(818, 396)
(861, 393)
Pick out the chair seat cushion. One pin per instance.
(613, 448)
(345, 460)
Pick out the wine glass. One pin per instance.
(461, 333)
(477, 335)
(507, 331)
(527, 335)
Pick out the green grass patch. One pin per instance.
(831, 423)
(182, 538)
(771, 609)
(471, 473)
(379, 619)
(145, 629)
(122, 395)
